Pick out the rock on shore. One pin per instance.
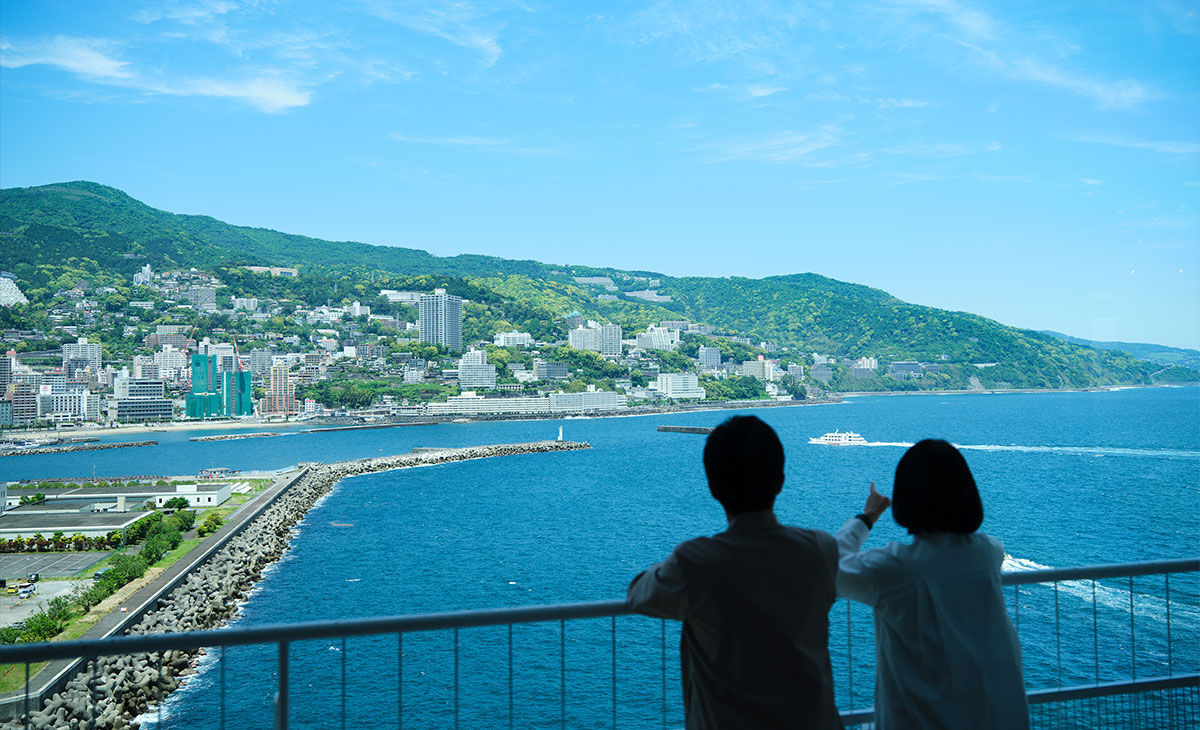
(124, 686)
(76, 447)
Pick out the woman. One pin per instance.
(947, 655)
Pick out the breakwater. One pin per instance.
(117, 689)
(367, 426)
(236, 436)
(686, 429)
(76, 447)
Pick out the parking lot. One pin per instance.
(14, 609)
(47, 565)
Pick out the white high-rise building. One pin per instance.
(143, 277)
(475, 373)
(604, 339)
(710, 357)
(439, 319)
(81, 349)
(760, 369)
(680, 386)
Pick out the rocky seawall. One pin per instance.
(120, 688)
(76, 447)
(235, 436)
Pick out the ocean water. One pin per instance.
(1066, 479)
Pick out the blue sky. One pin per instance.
(1032, 162)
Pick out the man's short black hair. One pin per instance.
(934, 490)
(743, 460)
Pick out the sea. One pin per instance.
(1066, 478)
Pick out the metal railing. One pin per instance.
(1171, 694)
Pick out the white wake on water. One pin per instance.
(1145, 605)
(1070, 450)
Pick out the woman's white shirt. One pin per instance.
(947, 655)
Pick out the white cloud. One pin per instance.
(266, 93)
(1091, 181)
(1018, 52)
(900, 103)
(456, 22)
(760, 90)
(482, 143)
(787, 146)
(930, 149)
(91, 57)
(1165, 147)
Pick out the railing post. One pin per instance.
(281, 696)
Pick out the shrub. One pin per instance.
(177, 503)
(40, 627)
(212, 523)
(140, 529)
(154, 549)
(185, 519)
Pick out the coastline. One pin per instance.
(316, 424)
(212, 590)
(1008, 391)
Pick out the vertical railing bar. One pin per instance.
(92, 692)
(1095, 633)
(1132, 638)
(510, 677)
(221, 675)
(456, 678)
(663, 646)
(614, 671)
(158, 688)
(281, 696)
(26, 695)
(1057, 636)
(562, 672)
(849, 655)
(1017, 610)
(343, 683)
(1170, 656)
(400, 681)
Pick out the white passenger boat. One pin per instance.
(840, 438)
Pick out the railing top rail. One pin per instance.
(1115, 570)
(464, 619)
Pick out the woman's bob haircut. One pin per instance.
(934, 490)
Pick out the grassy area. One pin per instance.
(12, 676)
(184, 548)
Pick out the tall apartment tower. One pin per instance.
(81, 349)
(6, 368)
(281, 393)
(439, 319)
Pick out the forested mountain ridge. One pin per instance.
(52, 234)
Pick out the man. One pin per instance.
(754, 600)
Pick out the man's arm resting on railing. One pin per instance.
(659, 591)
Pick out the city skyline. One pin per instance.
(1039, 166)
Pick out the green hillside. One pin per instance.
(51, 236)
(1161, 354)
